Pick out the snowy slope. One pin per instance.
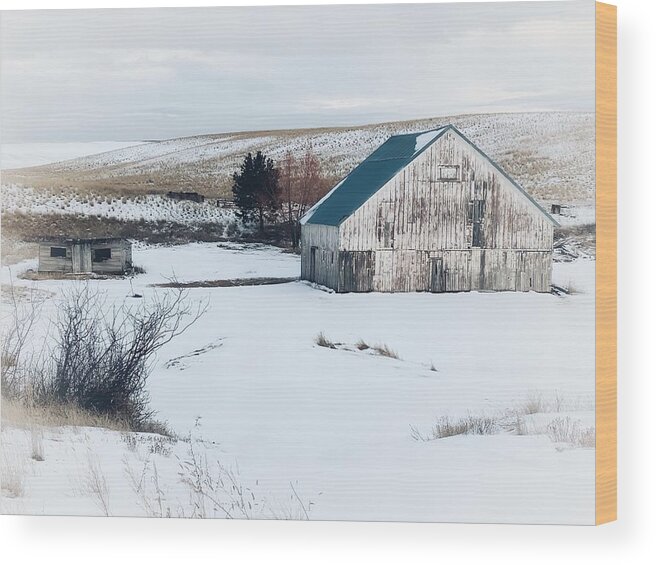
(149, 207)
(550, 154)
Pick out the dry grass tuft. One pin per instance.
(26, 416)
(385, 351)
(33, 417)
(572, 288)
(445, 427)
(534, 405)
(537, 403)
(322, 341)
(572, 431)
(362, 345)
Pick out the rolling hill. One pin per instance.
(550, 154)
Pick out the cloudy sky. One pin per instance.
(156, 73)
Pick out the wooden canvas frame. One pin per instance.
(426, 211)
(606, 274)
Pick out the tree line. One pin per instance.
(279, 194)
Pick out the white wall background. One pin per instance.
(630, 540)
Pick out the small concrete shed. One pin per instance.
(108, 256)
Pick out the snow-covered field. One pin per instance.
(330, 431)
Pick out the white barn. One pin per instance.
(428, 212)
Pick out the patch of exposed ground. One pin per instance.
(224, 283)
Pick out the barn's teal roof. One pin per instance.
(379, 168)
(370, 176)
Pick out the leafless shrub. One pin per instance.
(322, 341)
(432, 367)
(215, 494)
(157, 427)
(101, 361)
(537, 403)
(534, 405)
(572, 431)
(445, 427)
(154, 444)
(151, 496)
(160, 445)
(95, 484)
(130, 440)
(217, 491)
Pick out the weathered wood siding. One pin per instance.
(322, 241)
(356, 271)
(120, 260)
(55, 264)
(487, 233)
(79, 257)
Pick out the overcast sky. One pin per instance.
(156, 73)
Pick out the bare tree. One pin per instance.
(303, 183)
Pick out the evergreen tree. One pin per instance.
(255, 189)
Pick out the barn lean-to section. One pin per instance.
(320, 254)
(444, 218)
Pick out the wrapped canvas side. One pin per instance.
(606, 275)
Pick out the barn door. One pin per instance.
(313, 264)
(383, 271)
(438, 279)
(385, 225)
(476, 213)
(81, 258)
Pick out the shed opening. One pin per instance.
(103, 254)
(58, 252)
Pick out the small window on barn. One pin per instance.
(58, 252)
(100, 255)
(449, 172)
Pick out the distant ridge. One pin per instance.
(551, 154)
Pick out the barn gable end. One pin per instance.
(434, 213)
